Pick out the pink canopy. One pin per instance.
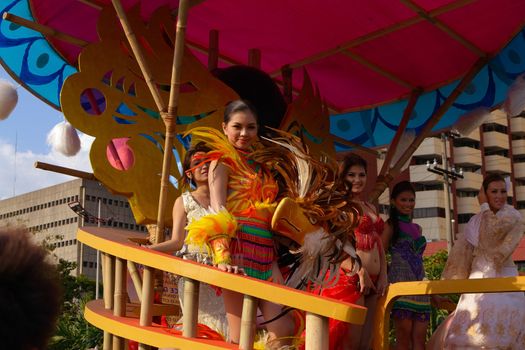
(359, 53)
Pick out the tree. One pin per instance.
(73, 331)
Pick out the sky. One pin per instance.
(25, 131)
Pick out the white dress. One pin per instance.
(491, 320)
(211, 306)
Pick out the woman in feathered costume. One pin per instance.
(242, 196)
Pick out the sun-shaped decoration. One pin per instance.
(109, 99)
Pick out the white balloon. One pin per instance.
(63, 138)
(8, 98)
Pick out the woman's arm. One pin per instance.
(218, 182)
(382, 281)
(178, 232)
(500, 234)
(387, 235)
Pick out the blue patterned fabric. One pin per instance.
(376, 127)
(29, 58)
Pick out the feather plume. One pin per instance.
(515, 102)
(324, 199)
(470, 121)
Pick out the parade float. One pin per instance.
(344, 75)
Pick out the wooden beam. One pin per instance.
(213, 50)
(376, 34)
(254, 58)
(442, 26)
(286, 73)
(65, 171)
(203, 49)
(394, 171)
(377, 69)
(356, 146)
(92, 4)
(44, 30)
(400, 130)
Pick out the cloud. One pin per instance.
(18, 174)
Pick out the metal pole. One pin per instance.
(97, 278)
(448, 223)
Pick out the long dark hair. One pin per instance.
(349, 161)
(239, 106)
(400, 187)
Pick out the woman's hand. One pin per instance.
(231, 268)
(365, 282)
(382, 284)
(482, 197)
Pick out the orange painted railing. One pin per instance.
(119, 319)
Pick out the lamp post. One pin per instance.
(448, 175)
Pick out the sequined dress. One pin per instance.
(347, 289)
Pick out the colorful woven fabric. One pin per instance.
(407, 265)
(251, 195)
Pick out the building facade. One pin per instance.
(48, 215)
(498, 146)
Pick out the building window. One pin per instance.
(494, 127)
(463, 142)
(464, 218)
(497, 152)
(428, 187)
(464, 193)
(420, 213)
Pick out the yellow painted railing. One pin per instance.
(487, 285)
(113, 314)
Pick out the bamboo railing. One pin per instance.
(396, 290)
(119, 318)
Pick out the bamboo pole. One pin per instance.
(396, 168)
(107, 280)
(139, 56)
(213, 50)
(190, 310)
(249, 313)
(109, 269)
(135, 277)
(146, 304)
(120, 298)
(316, 332)
(64, 170)
(400, 130)
(45, 30)
(170, 117)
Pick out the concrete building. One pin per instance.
(47, 214)
(498, 146)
